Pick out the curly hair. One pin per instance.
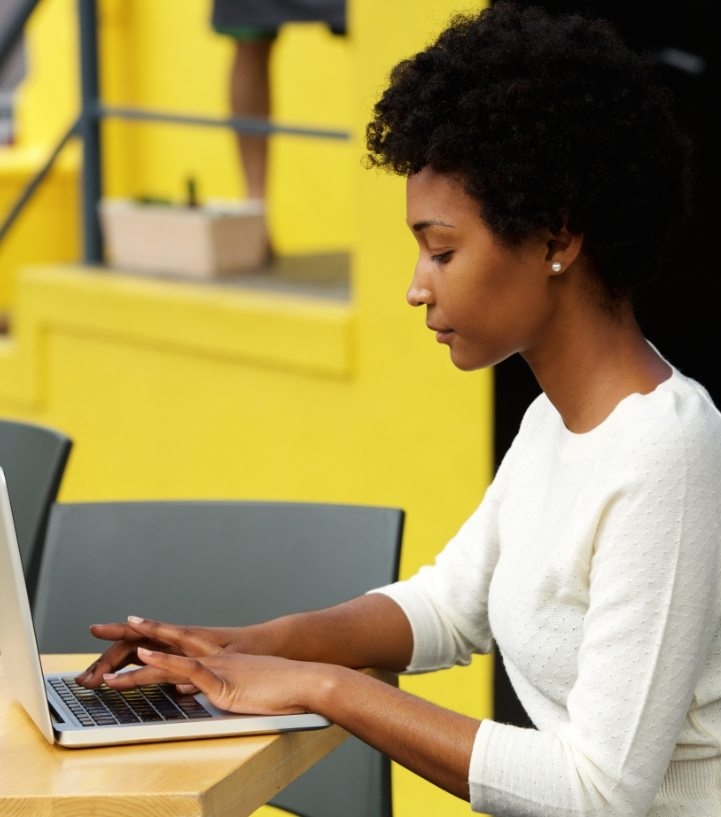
(550, 122)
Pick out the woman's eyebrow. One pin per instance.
(419, 226)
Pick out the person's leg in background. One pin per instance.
(253, 28)
(250, 97)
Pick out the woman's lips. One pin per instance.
(443, 335)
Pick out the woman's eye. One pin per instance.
(442, 257)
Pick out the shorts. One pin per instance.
(252, 20)
(246, 34)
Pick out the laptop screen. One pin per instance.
(18, 645)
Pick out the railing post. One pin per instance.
(89, 131)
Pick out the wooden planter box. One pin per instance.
(195, 242)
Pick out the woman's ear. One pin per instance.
(562, 250)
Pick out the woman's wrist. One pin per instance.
(322, 686)
(257, 639)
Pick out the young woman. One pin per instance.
(543, 173)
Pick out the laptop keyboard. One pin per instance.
(105, 706)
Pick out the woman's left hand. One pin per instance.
(232, 681)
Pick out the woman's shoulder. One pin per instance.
(675, 424)
(682, 404)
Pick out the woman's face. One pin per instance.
(482, 299)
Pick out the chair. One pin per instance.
(33, 459)
(216, 563)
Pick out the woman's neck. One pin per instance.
(593, 360)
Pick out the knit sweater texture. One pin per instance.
(594, 564)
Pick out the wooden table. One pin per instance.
(196, 778)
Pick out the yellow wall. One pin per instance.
(184, 390)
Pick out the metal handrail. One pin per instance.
(93, 111)
(260, 127)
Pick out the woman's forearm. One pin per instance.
(431, 741)
(369, 631)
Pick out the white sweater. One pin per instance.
(594, 563)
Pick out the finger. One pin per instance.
(144, 676)
(114, 658)
(115, 631)
(188, 640)
(167, 668)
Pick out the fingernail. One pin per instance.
(135, 620)
(143, 651)
(110, 676)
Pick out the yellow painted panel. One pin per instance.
(263, 329)
(48, 230)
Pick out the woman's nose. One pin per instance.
(418, 293)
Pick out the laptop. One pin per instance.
(72, 716)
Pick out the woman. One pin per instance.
(543, 173)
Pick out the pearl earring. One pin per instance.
(556, 266)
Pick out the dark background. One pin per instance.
(681, 311)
